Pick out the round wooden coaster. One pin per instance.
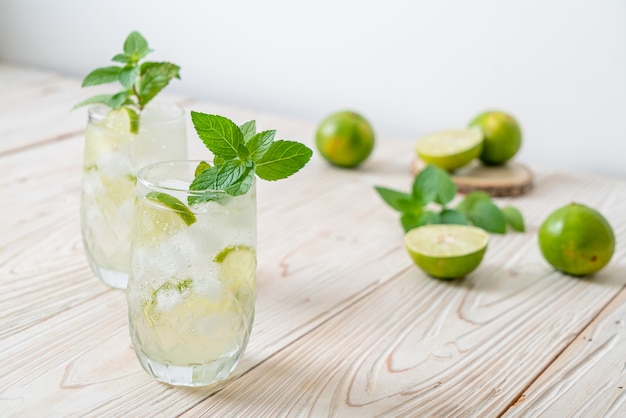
(511, 179)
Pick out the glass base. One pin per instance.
(191, 376)
(112, 278)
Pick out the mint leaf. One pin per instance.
(433, 185)
(102, 76)
(140, 83)
(233, 177)
(282, 159)
(206, 179)
(237, 176)
(128, 76)
(155, 76)
(451, 216)
(101, 98)
(428, 217)
(486, 215)
(240, 153)
(410, 221)
(220, 135)
(402, 202)
(248, 130)
(123, 58)
(136, 46)
(259, 143)
(514, 218)
(468, 202)
(117, 100)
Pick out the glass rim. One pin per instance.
(99, 112)
(152, 184)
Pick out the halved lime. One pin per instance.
(237, 267)
(447, 251)
(450, 149)
(173, 203)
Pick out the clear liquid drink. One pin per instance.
(192, 282)
(111, 160)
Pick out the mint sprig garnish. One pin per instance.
(431, 193)
(140, 81)
(240, 153)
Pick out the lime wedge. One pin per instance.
(450, 149)
(123, 119)
(202, 166)
(447, 251)
(173, 203)
(237, 267)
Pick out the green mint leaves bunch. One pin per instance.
(239, 154)
(140, 80)
(427, 203)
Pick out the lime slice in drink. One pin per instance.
(123, 120)
(237, 267)
(115, 192)
(173, 203)
(446, 251)
(169, 293)
(451, 149)
(186, 327)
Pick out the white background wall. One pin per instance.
(409, 66)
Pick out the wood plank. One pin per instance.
(589, 378)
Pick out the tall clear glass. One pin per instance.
(192, 283)
(110, 163)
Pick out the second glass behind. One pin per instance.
(112, 157)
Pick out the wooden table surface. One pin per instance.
(346, 325)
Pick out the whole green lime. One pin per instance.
(345, 139)
(577, 240)
(503, 136)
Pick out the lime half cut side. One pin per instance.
(451, 149)
(447, 251)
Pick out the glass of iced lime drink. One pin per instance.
(112, 156)
(192, 282)
(125, 131)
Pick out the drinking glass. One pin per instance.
(192, 281)
(111, 159)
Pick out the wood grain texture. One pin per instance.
(345, 324)
(589, 378)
